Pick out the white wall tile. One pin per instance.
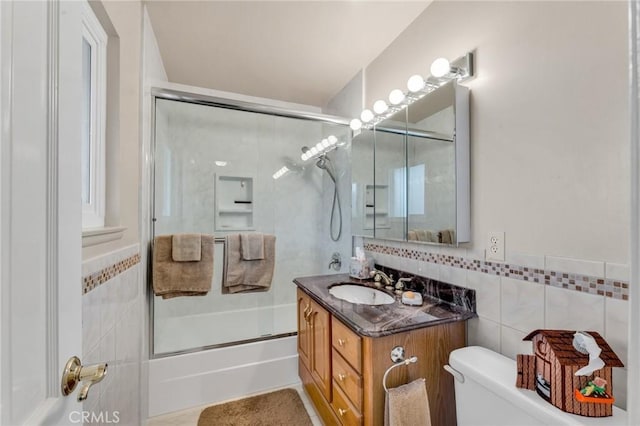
(617, 271)
(451, 275)
(429, 270)
(483, 332)
(523, 259)
(488, 292)
(575, 266)
(617, 326)
(91, 320)
(573, 310)
(522, 304)
(512, 343)
(115, 302)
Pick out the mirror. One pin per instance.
(390, 189)
(419, 159)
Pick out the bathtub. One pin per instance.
(187, 380)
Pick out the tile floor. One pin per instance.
(190, 417)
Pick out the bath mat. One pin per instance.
(280, 408)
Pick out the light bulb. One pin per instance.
(396, 97)
(325, 143)
(304, 156)
(319, 147)
(415, 83)
(380, 106)
(366, 115)
(332, 140)
(440, 67)
(355, 124)
(313, 151)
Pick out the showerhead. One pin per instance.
(324, 163)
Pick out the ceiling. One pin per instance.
(295, 51)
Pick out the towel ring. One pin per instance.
(408, 361)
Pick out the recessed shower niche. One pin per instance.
(234, 203)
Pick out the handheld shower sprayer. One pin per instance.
(324, 163)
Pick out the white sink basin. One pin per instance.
(360, 294)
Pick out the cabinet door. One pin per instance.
(320, 323)
(304, 337)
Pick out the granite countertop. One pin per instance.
(383, 320)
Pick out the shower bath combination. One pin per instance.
(325, 163)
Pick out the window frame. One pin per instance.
(93, 213)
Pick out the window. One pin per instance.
(94, 70)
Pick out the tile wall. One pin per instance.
(112, 331)
(524, 293)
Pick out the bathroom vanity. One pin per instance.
(344, 348)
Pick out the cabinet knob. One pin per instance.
(341, 342)
(341, 377)
(342, 412)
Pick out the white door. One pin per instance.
(40, 219)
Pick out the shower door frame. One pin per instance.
(218, 102)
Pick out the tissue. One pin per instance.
(360, 266)
(584, 343)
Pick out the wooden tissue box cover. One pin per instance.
(550, 371)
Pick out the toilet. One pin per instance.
(486, 395)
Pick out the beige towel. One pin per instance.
(174, 279)
(412, 236)
(446, 236)
(408, 405)
(186, 247)
(432, 237)
(252, 246)
(421, 235)
(247, 275)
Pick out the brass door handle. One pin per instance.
(307, 315)
(342, 412)
(75, 373)
(341, 377)
(341, 342)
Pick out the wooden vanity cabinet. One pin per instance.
(342, 371)
(314, 350)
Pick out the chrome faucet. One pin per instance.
(401, 283)
(336, 261)
(381, 278)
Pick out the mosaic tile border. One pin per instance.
(96, 279)
(615, 289)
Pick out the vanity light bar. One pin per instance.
(281, 172)
(322, 147)
(442, 71)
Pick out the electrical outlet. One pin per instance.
(495, 246)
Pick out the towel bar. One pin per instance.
(407, 361)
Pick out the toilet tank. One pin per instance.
(486, 395)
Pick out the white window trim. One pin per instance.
(93, 214)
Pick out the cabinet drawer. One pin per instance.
(347, 343)
(346, 412)
(348, 379)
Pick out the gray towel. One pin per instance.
(407, 405)
(247, 275)
(252, 246)
(174, 279)
(186, 247)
